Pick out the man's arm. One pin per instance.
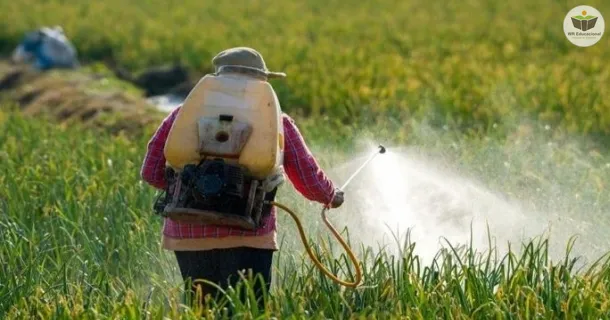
(302, 168)
(153, 167)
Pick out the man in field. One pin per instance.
(218, 253)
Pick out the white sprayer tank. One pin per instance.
(247, 101)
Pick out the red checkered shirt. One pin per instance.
(300, 167)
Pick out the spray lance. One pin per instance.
(345, 246)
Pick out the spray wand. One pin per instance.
(333, 230)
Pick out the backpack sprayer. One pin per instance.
(333, 230)
(224, 151)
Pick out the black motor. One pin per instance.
(216, 186)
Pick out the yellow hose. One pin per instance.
(311, 255)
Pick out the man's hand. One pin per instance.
(338, 199)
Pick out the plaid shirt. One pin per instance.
(300, 167)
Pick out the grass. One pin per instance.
(78, 239)
(494, 89)
(465, 65)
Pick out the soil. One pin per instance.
(94, 99)
(174, 79)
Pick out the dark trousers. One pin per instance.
(222, 267)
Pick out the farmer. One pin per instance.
(48, 48)
(217, 253)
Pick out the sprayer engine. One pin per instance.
(216, 186)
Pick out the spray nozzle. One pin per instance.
(381, 150)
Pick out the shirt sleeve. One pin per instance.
(153, 167)
(302, 168)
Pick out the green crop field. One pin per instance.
(466, 64)
(78, 239)
(492, 90)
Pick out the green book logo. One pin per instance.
(584, 26)
(584, 22)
